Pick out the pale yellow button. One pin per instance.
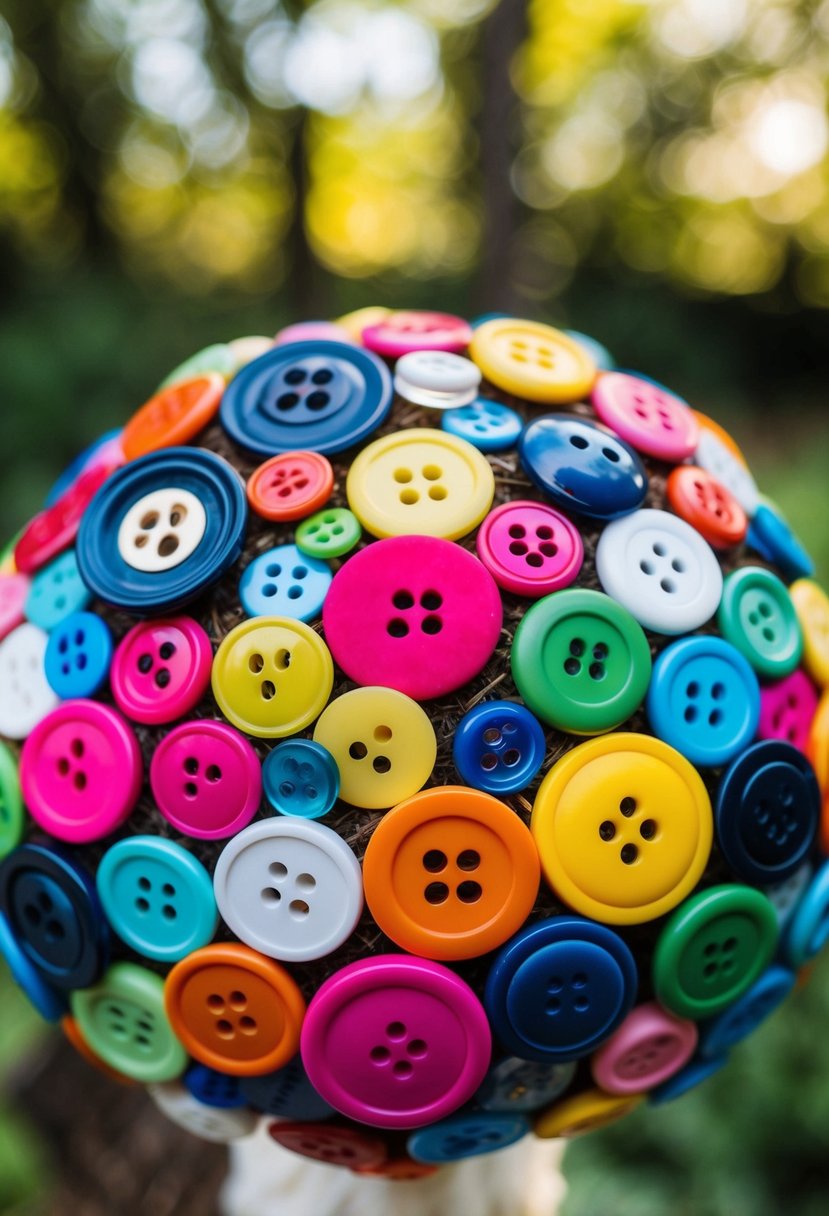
(245, 350)
(585, 1112)
(532, 360)
(811, 604)
(361, 318)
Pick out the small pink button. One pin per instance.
(206, 779)
(313, 331)
(54, 529)
(161, 669)
(529, 548)
(14, 588)
(415, 613)
(395, 1041)
(647, 415)
(81, 771)
(402, 332)
(787, 708)
(649, 1046)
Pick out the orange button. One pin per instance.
(584, 1112)
(291, 485)
(817, 745)
(173, 416)
(73, 1033)
(234, 1009)
(707, 505)
(450, 873)
(400, 1169)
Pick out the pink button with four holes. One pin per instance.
(647, 415)
(81, 771)
(206, 779)
(161, 669)
(787, 708)
(529, 548)
(649, 1046)
(14, 588)
(402, 332)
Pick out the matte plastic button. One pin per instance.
(775, 541)
(707, 506)
(330, 533)
(78, 655)
(787, 709)
(213, 1088)
(206, 779)
(585, 1112)
(300, 777)
(529, 548)
(713, 428)
(488, 425)
(523, 1085)
(54, 529)
(727, 465)
(688, 1078)
(811, 604)
(56, 592)
(161, 669)
(206, 1122)
(344, 1146)
(532, 360)
(11, 803)
(648, 1047)
(498, 747)
(467, 1135)
(436, 379)
(648, 416)
(284, 582)
(399, 1169)
(47, 1001)
(286, 1094)
(398, 333)
(290, 486)
(14, 591)
(744, 1016)
(757, 616)
(807, 931)
(27, 695)
(174, 415)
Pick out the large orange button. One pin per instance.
(173, 416)
(450, 873)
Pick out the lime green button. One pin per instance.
(11, 804)
(756, 614)
(329, 533)
(581, 661)
(122, 1019)
(712, 949)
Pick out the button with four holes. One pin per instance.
(582, 466)
(284, 582)
(513, 1084)
(11, 803)
(706, 505)
(346, 1146)
(207, 1122)
(584, 1112)
(46, 1000)
(398, 333)
(807, 930)
(286, 1093)
(78, 655)
(466, 1135)
(758, 617)
(498, 747)
(532, 360)
(648, 416)
(174, 415)
(27, 695)
(214, 1088)
(488, 425)
(436, 379)
(774, 540)
(290, 485)
(329, 533)
(719, 456)
(811, 604)
(161, 669)
(745, 1015)
(206, 779)
(14, 591)
(788, 708)
(529, 548)
(54, 529)
(300, 777)
(57, 590)
(649, 1046)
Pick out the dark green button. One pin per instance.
(581, 661)
(11, 804)
(712, 949)
(756, 614)
(329, 533)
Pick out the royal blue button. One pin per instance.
(499, 747)
(307, 396)
(807, 931)
(688, 1078)
(286, 1094)
(523, 1085)
(300, 777)
(600, 355)
(487, 425)
(78, 655)
(767, 810)
(73, 470)
(56, 592)
(582, 466)
(559, 988)
(48, 1002)
(466, 1135)
(771, 537)
(285, 582)
(214, 1088)
(704, 699)
(720, 1034)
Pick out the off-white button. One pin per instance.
(161, 530)
(437, 379)
(25, 694)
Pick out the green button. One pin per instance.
(756, 614)
(122, 1018)
(217, 358)
(581, 661)
(11, 804)
(329, 533)
(712, 949)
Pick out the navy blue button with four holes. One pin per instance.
(466, 1135)
(742, 1018)
(582, 466)
(523, 1085)
(285, 582)
(286, 1094)
(78, 655)
(214, 1088)
(499, 747)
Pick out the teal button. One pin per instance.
(11, 803)
(329, 533)
(756, 614)
(56, 591)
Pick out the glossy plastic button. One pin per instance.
(54, 529)
(623, 826)
(688, 1078)
(807, 931)
(300, 777)
(488, 425)
(161, 669)
(582, 466)
(523, 1085)
(11, 803)
(27, 695)
(304, 331)
(757, 616)
(207, 1122)
(217, 357)
(744, 1016)
(290, 486)
(787, 709)
(498, 747)
(707, 506)
(532, 360)
(161, 530)
(650, 1046)
(584, 1112)
(645, 414)
(436, 379)
(106, 449)
(56, 592)
(726, 464)
(775, 541)
(467, 1135)
(206, 779)
(48, 1002)
(343, 1146)
(286, 1094)
(330, 533)
(78, 655)
(14, 591)
(398, 333)
(284, 582)
(597, 351)
(529, 548)
(214, 1088)
(358, 319)
(811, 604)
(174, 415)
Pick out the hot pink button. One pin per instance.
(81, 771)
(395, 1041)
(161, 669)
(414, 613)
(313, 331)
(402, 332)
(14, 588)
(54, 529)
(787, 708)
(529, 548)
(649, 1046)
(206, 779)
(647, 415)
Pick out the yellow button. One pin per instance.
(585, 1112)
(623, 827)
(811, 604)
(532, 360)
(817, 747)
(272, 676)
(383, 743)
(355, 322)
(422, 483)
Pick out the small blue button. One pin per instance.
(214, 1088)
(47, 1001)
(56, 591)
(73, 471)
(523, 1085)
(583, 467)
(286, 1094)
(600, 355)
(771, 537)
(466, 1135)
(285, 582)
(300, 777)
(704, 699)
(688, 1078)
(487, 425)
(720, 1034)
(499, 747)
(808, 929)
(78, 655)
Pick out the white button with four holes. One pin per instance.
(436, 379)
(713, 456)
(27, 696)
(161, 530)
(208, 1122)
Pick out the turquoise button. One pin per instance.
(300, 777)
(56, 591)
(756, 614)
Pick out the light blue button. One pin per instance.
(469, 1135)
(688, 1078)
(600, 355)
(808, 929)
(300, 777)
(56, 591)
(523, 1085)
(487, 425)
(78, 655)
(771, 537)
(48, 1003)
(742, 1018)
(285, 582)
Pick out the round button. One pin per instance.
(207, 1122)
(161, 530)
(648, 416)
(394, 1041)
(413, 613)
(399, 1169)
(12, 815)
(529, 548)
(811, 604)
(436, 379)
(57, 590)
(284, 582)
(286, 1094)
(382, 743)
(774, 540)
(14, 591)
(218, 357)
(345, 1146)
(291, 889)
(704, 700)
(818, 745)
(105, 449)
(78, 655)
(808, 928)
(608, 848)
(757, 616)
(247, 348)
(213, 1088)
(47, 1002)
(76, 1040)
(422, 482)
(650, 1046)
(290, 486)
(27, 695)
(54, 529)
(307, 396)
(398, 333)
(450, 873)
(688, 1078)
(580, 661)
(234, 1010)
(161, 669)
(157, 897)
(744, 1016)
(582, 466)
(174, 415)
(498, 747)
(707, 506)
(559, 989)
(488, 425)
(360, 318)
(81, 771)
(301, 777)
(523, 1085)
(787, 709)
(785, 895)
(304, 331)
(712, 950)
(597, 351)
(709, 426)
(723, 461)
(532, 360)
(466, 1135)
(272, 676)
(206, 779)
(330, 533)
(584, 1112)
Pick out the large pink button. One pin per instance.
(161, 669)
(402, 332)
(649, 1046)
(395, 1041)
(206, 779)
(787, 708)
(414, 613)
(81, 771)
(54, 529)
(14, 588)
(646, 415)
(529, 548)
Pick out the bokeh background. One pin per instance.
(652, 172)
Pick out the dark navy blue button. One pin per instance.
(285, 582)
(600, 355)
(741, 1019)
(768, 805)
(307, 396)
(465, 1135)
(523, 1085)
(286, 1094)
(559, 988)
(807, 931)
(56, 592)
(301, 777)
(499, 747)
(487, 425)
(771, 537)
(78, 655)
(704, 699)
(582, 466)
(53, 911)
(214, 1088)
(47, 1001)
(73, 471)
(688, 1078)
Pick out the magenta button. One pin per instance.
(647, 415)
(161, 669)
(649, 1046)
(414, 613)
(206, 779)
(529, 548)
(395, 1041)
(81, 771)
(787, 708)
(14, 588)
(403, 332)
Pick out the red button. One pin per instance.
(333, 1145)
(161, 669)
(707, 505)
(291, 485)
(54, 529)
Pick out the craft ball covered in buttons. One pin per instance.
(414, 731)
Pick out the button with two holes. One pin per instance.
(161, 669)
(27, 695)
(78, 655)
(498, 747)
(488, 425)
(206, 779)
(284, 582)
(529, 548)
(300, 777)
(330, 533)
(582, 466)
(466, 1135)
(532, 360)
(513, 1084)
(56, 592)
(649, 1046)
(758, 617)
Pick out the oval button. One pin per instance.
(330, 533)
(55, 529)
(488, 425)
(650, 1046)
(467, 1135)
(56, 591)
(807, 930)
(436, 379)
(718, 454)
(774, 540)
(582, 466)
(207, 1122)
(345, 1146)
(47, 1002)
(648, 416)
(757, 616)
(14, 591)
(532, 360)
(748, 1013)
(206, 779)
(707, 506)
(498, 747)
(529, 548)
(174, 415)
(161, 669)
(12, 815)
(286, 1094)
(585, 1112)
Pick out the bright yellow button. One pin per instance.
(383, 743)
(272, 676)
(361, 318)
(817, 747)
(532, 360)
(585, 1112)
(811, 604)
(623, 827)
(420, 483)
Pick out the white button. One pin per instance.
(713, 456)
(437, 379)
(290, 888)
(161, 530)
(661, 570)
(245, 350)
(785, 895)
(25, 694)
(209, 1122)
